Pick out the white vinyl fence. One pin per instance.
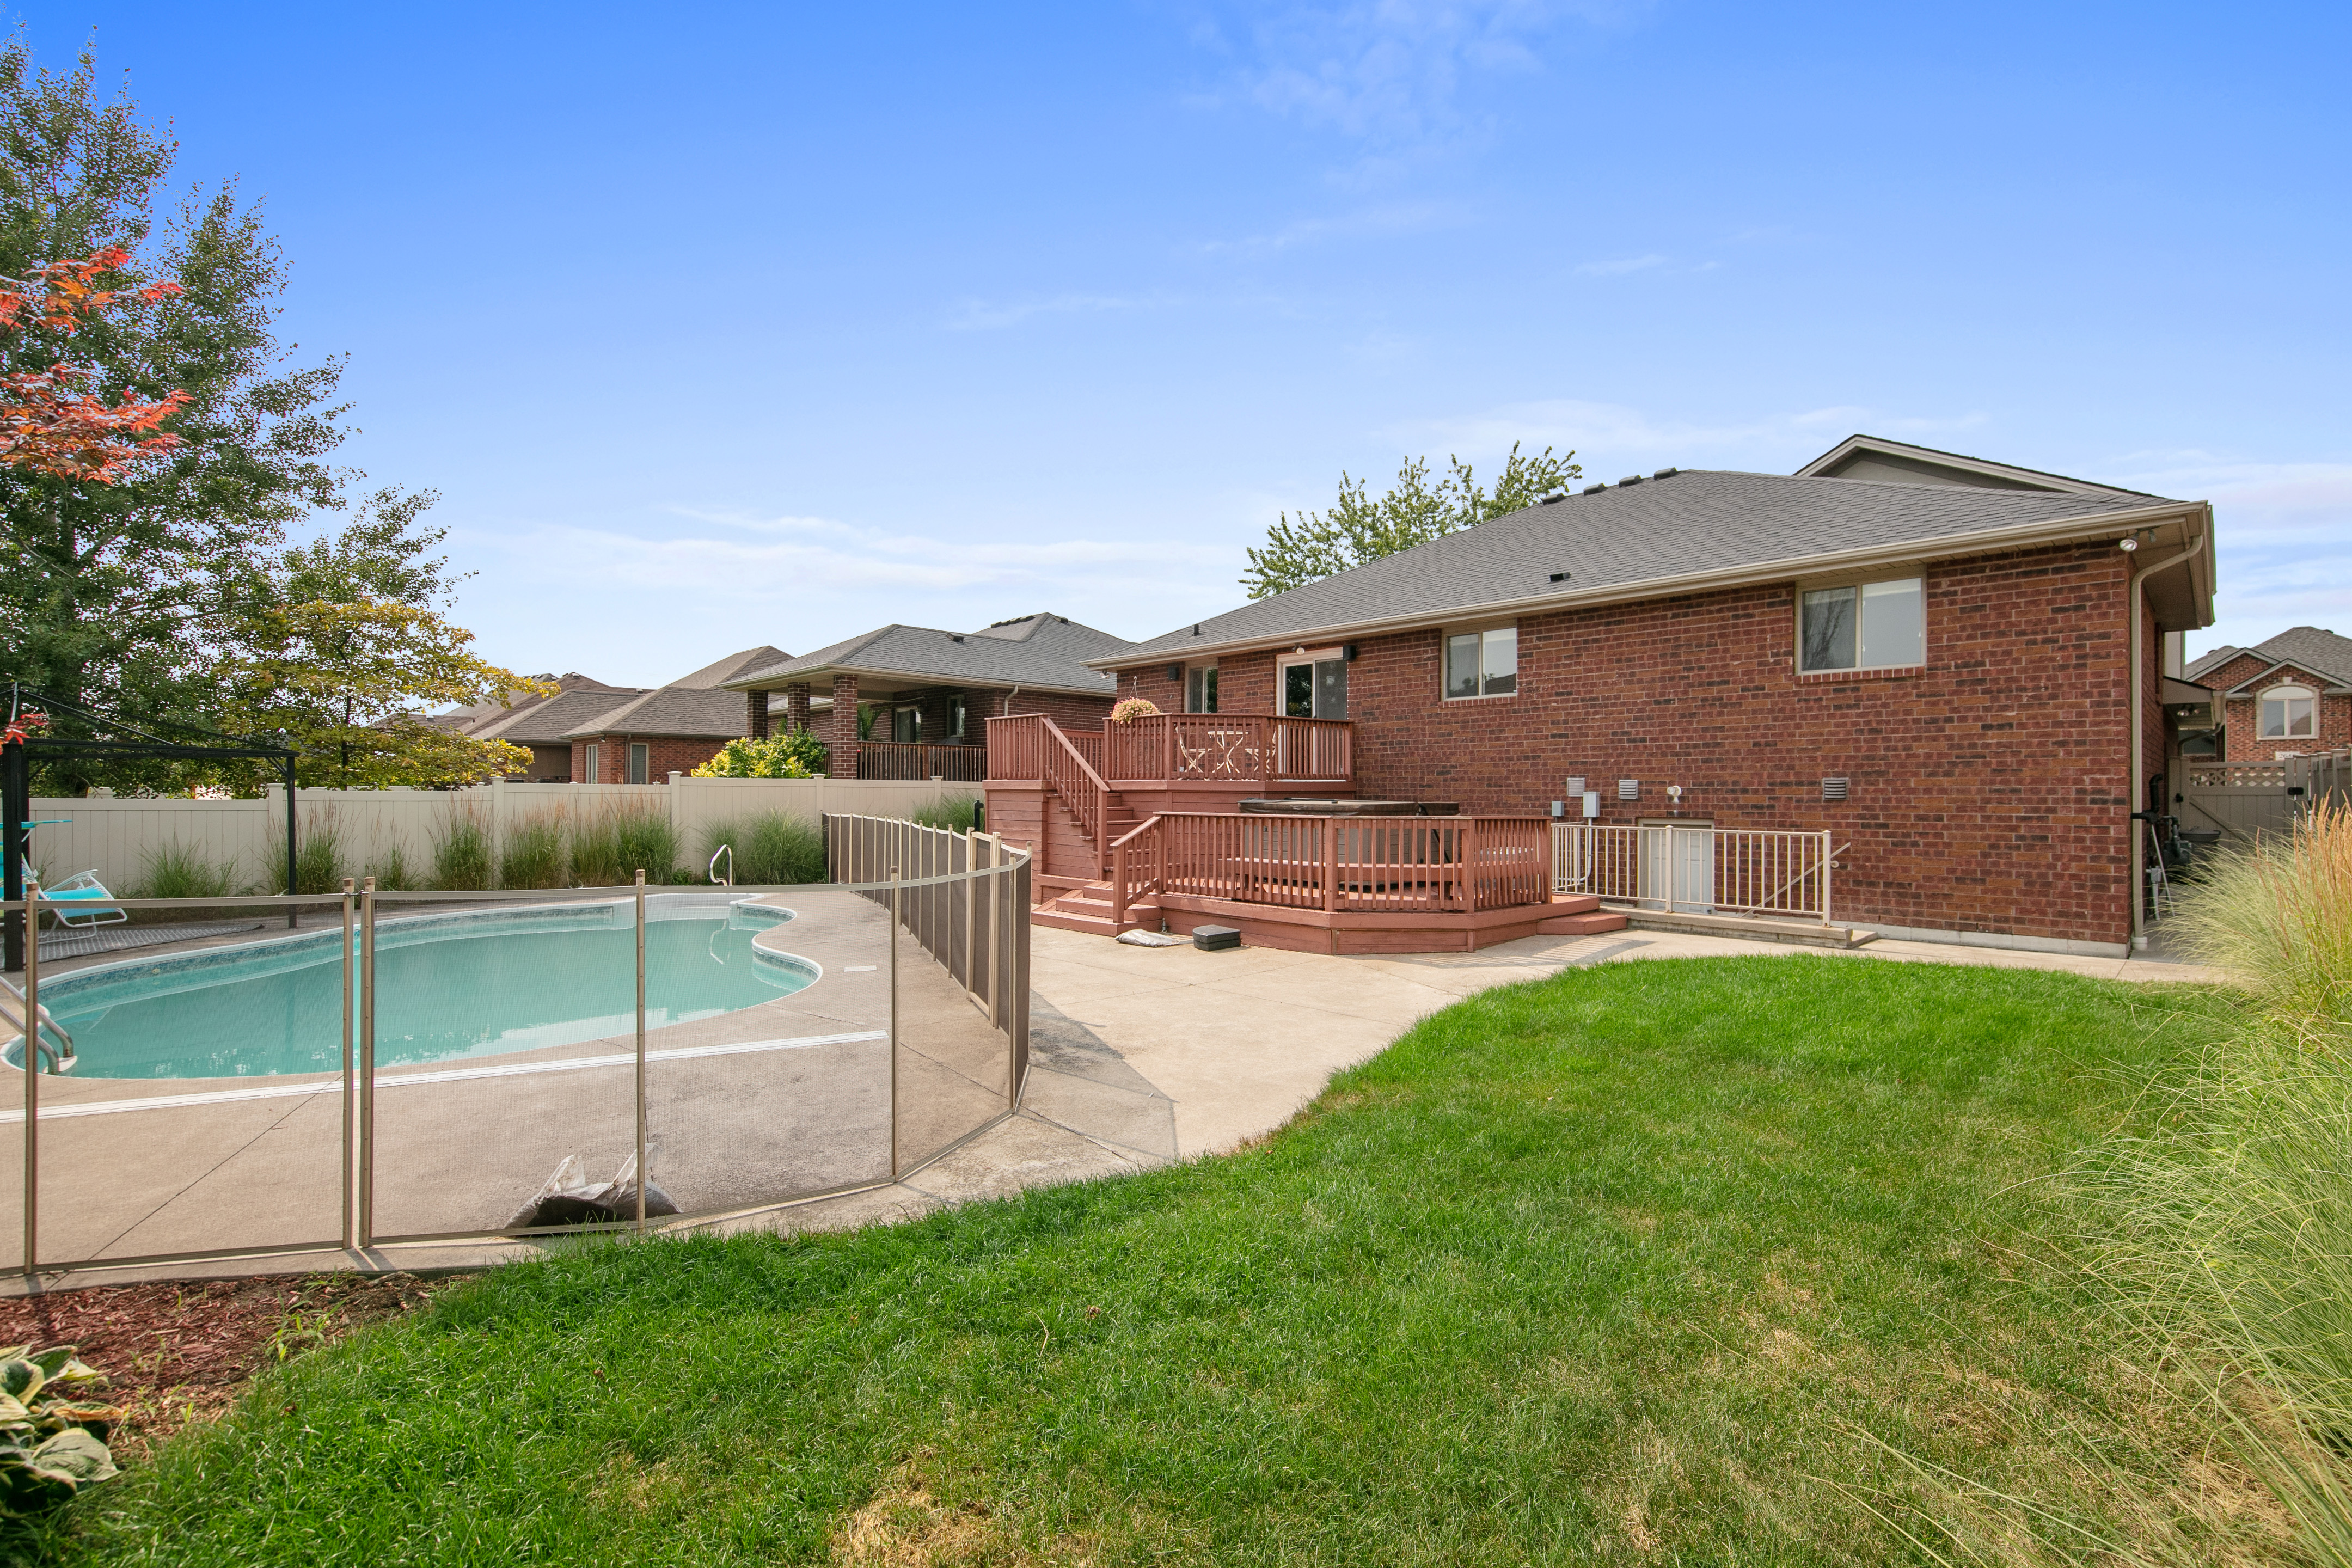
(1695, 869)
(118, 838)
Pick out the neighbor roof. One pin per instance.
(695, 707)
(2308, 649)
(545, 721)
(1677, 532)
(1039, 652)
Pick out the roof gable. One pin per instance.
(1876, 459)
(1040, 651)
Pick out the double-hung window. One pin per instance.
(1482, 664)
(2290, 713)
(1863, 625)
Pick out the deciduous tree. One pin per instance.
(1359, 528)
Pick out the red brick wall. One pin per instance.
(1070, 710)
(2243, 738)
(665, 754)
(1988, 791)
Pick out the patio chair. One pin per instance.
(92, 905)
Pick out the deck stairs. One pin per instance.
(1087, 910)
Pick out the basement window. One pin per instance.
(1862, 625)
(1482, 664)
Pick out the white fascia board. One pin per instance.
(1990, 542)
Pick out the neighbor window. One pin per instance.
(638, 755)
(588, 755)
(1201, 689)
(957, 717)
(907, 725)
(2289, 713)
(1482, 664)
(1863, 625)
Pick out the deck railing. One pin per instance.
(906, 759)
(1696, 869)
(1068, 775)
(1248, 750)
(1367, 865)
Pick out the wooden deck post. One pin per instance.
(1330, 864)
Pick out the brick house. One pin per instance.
(2283, 697)
(1955, 666)
(542, 724)
(925, 693)
(670, 729)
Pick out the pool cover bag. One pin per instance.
(568, 1197)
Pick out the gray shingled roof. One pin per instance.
(695, 707)
(1034, 651)
(2212, 660)
(1688, 522)
(552, 721)
(2312, 649)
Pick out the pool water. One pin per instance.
(466, 990)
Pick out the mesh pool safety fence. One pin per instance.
(409, 1069)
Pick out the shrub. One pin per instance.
(52, 1440)
(178, 871)
(317, 857)
(956, 814)
(533, 855)
(792, 754)
(390, 872)
(609, 849)
(770, 848)
(461, 851)
(1132, 708)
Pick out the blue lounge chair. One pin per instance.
(90, 903)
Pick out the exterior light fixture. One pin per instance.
(2127, 545)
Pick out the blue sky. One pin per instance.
(718, 325)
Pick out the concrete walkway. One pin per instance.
(1142, 1057)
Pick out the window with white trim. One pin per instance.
(589, 755)
(1482, 664)
(639, 755)
(2290, 713)
(1314, 685)
(1201, 689)
(1863, 625)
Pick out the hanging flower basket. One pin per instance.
(1132, 709)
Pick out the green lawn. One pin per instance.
(1634, 1263)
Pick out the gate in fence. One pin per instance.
(422, 1069)
(1695, 869)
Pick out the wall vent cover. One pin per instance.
(1629, 789)
(1576, 784)
(1833, 789)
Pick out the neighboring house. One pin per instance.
(928, 692)
(542, 724)
(1929, 655)
(2279, 698)
(671, 728)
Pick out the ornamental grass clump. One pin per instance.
(176, 870)
(618, 841)
(2232, 1246)
(461, 851)
(52, 1437)
(770, 848)
(955, 814)
(535, 854)
(318, 855)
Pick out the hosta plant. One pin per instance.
(52, 1439)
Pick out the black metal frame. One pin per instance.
(16, 797)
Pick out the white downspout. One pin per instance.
(2138, 759)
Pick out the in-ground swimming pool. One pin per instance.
(447, 986)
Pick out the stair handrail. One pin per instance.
(1076, 780)
(1121, 893)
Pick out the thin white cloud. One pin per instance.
(1620, 267)
(991, 315)
(1608, 434)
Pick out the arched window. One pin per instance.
(2290, 713)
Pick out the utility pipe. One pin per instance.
(2138, 761)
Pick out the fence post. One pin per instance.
(32, 1066)
(641, 1049)
(894, 1020)
(1825, 876)
(350, 1092)
(1330, 863)
(367, 1064)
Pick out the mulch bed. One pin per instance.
(180, 1353)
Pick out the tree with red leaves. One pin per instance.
(48, 423)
